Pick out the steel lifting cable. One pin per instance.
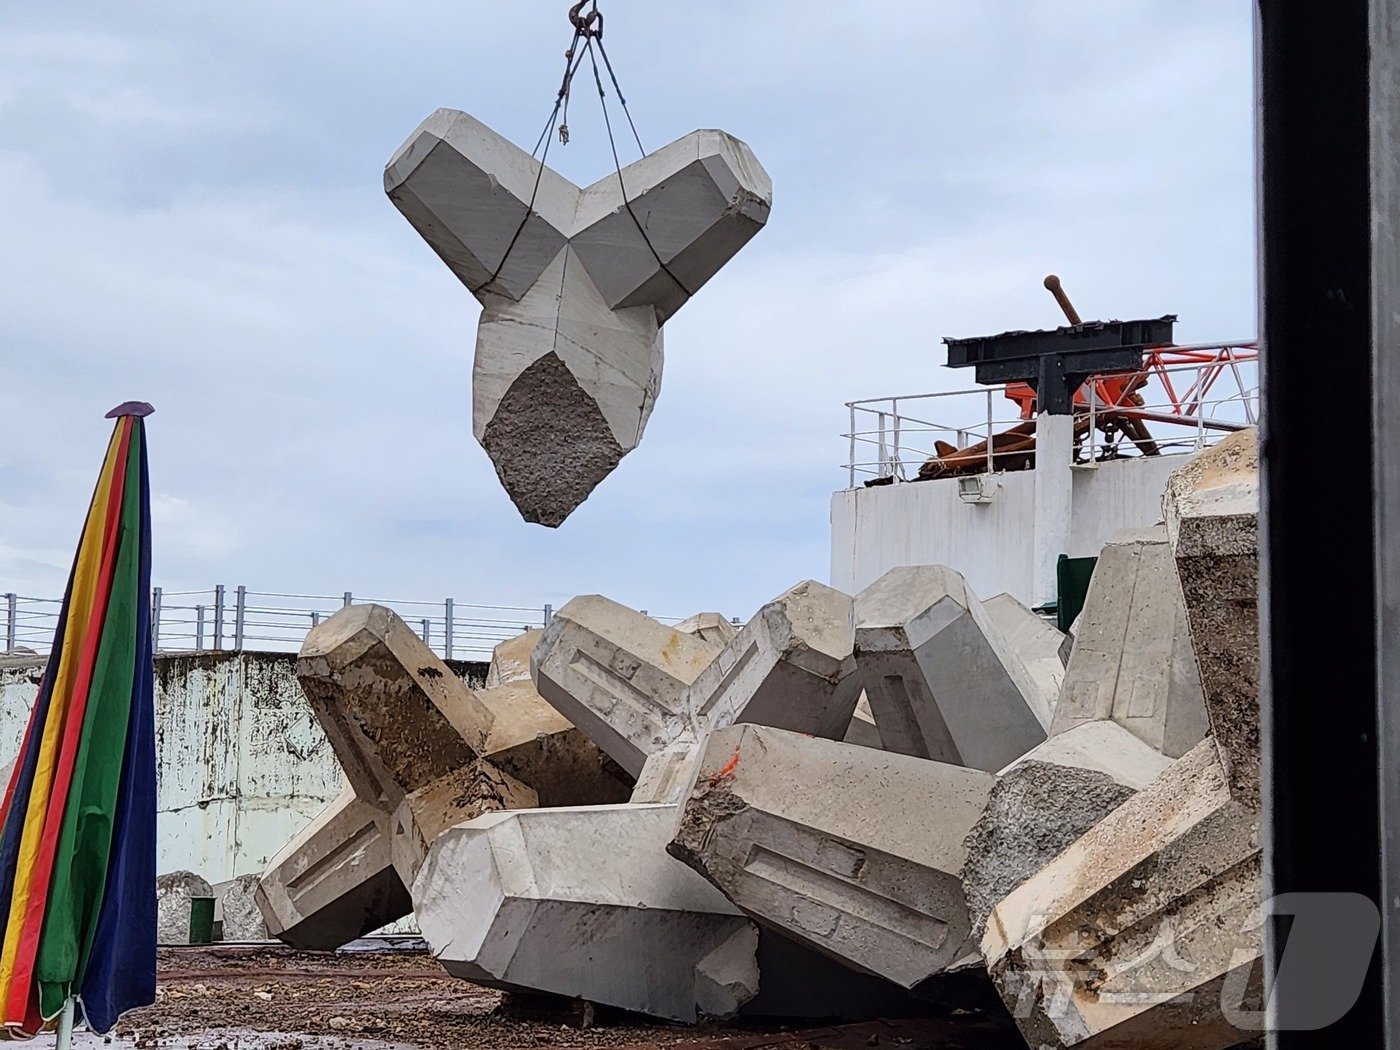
(573, 58)
(622, 185)
(588, 28)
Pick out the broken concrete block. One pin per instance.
(510, 660)
(667, 774)
(1045, 800)
(1101, 747)
(1212, 513)
(584, 902)
(1131, 934)
(709, 627)
(236, 909)
(534, 743)
(395, 715)
(863, 730)
(853, 852)
(942, 682)
(476, 788)
(620, 676)
(1035, 640)
(1132, 659)
(174, 893)
(792, 666)
(574, 293)
(635, 686)
(336, 880)
(422, 752)
(1035, 811)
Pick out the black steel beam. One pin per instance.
(1057, 361)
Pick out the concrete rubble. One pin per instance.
(421, 752)
(1212, 514)
(709, 627)
(237, 916)
(1139, 933)
(843, 805)
(942, 681)
(1132, 659)
(1143, 930)
(619, 675)
(584, 902)
(637, 686)
(510, 660)
(573, 292)
(1035, 640)
(853, 852)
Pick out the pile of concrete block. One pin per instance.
(834, 808)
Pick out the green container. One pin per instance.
(201, 920)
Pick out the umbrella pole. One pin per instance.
(65, 1026)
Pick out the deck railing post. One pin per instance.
(240, 608)
(219, 616)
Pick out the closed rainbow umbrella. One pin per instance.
(77, 841)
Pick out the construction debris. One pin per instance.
(619, 675)
(812, 839)
(236, 910)
(1132, 659)
(1212, 513)
(942, 681)
(574, 284)
(1139, 933)
(709, 627)
(585, 902)
(422, 753)
(510, 660)
(789, 849)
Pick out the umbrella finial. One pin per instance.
(130, 408)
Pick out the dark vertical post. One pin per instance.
(1317, 593)
(1385, 320)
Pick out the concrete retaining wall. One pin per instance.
(241, 762)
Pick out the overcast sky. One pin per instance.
(192, 213)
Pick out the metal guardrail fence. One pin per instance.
(223, 618)
(234, 619)
(1188, 406)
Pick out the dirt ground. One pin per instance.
(274, 998)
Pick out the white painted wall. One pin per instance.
(242, 763)
(876, 529)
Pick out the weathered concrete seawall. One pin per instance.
(242, 764)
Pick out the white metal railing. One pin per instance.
(223, 618)
(1184, 407)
